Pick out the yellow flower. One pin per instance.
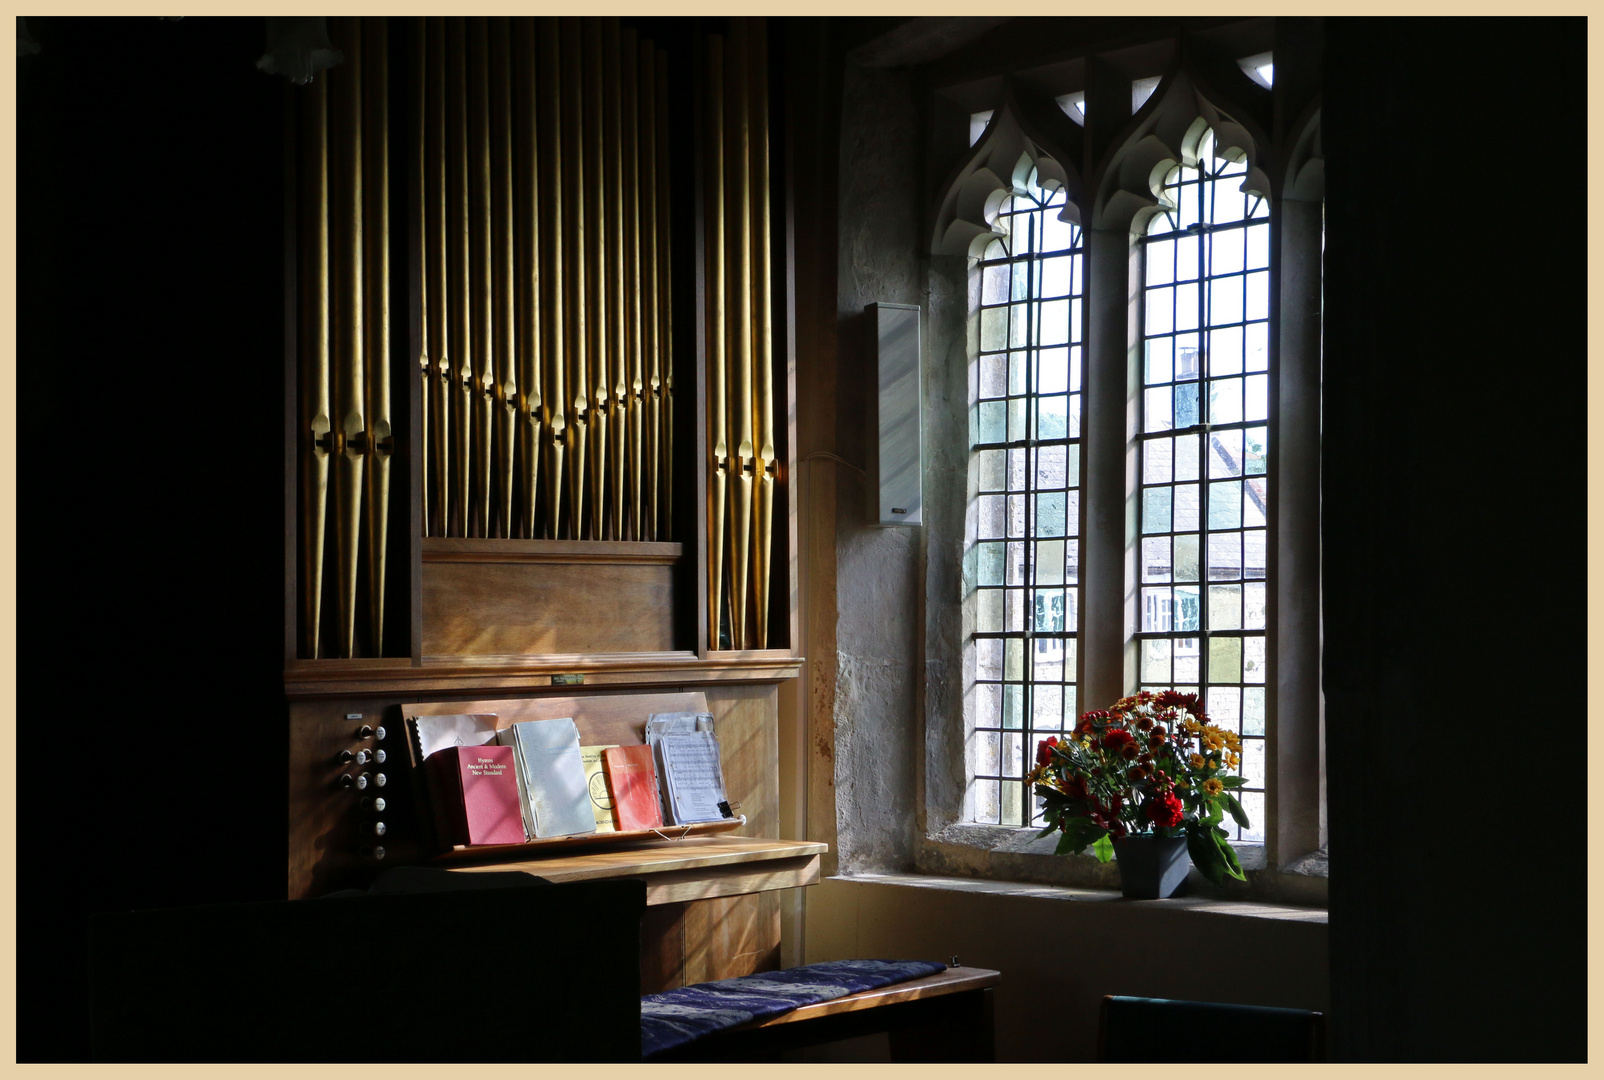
(1232, 760)
(1193, 726)
(1233, 740)
(1214, 740)
(1213, 786)
(1196, 761)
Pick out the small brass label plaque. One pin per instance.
(567, 680)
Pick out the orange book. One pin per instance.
(632, 778)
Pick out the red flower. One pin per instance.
(1117, 739)
(1044, 751)
(1165, 810)
(1172, 699)
(1074, 787)
(1090, 720)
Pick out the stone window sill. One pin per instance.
(1201, 905)
(1003, 854)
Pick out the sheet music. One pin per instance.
(695, 776)
(658, 725)
(463, 729)
(664, 722)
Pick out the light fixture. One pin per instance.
(298, 48)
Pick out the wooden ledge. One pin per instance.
(523, 673)
(456, 549)
(955, 980)
(697, 868)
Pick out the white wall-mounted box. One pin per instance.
(896, 456)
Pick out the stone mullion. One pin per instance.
(1106, 653)
(1293, 761)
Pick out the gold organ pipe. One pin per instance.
(738, 157)
(420, 104)
(632, 269)
(665, 304)
(616, 288)
(507, 314)
(459, 232)
(716, 419)
(575, 314)
(598, 236)
(555, 395)
(617, 363)
(766, 468)
(438, 265)
(529, 415)
(349, 429)
(316, 407)
(381, 439)
(649, 299)
(480, 242)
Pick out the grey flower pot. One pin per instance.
(1151, 867)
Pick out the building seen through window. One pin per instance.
(1025, 435)
(1202, 461)
(1204, 452)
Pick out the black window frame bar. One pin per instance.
(1206, 430)
(1029, 445)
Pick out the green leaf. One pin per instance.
(1078, 832)
(1237, 812)
(1049, 829)
(1228, 855)
(1215, 815)
(1104, 848)
(1232, 781)
(1205, 855)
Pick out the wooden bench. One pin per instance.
(942, 1017)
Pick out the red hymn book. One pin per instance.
(476, 794)
(633, 780)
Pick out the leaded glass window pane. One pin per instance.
(1205, 453)
(1026, 443)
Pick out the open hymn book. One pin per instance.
(689, 767)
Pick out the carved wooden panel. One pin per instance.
(600, 718)
(709, 939)
(747, 721)
(497, 609)
(731, 936)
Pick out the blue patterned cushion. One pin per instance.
(677, 1016)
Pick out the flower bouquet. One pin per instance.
(1150, 766)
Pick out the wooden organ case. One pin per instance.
(539, 436)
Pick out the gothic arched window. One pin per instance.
(1025, 441)
(1204, 451)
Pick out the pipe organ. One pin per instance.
(546, 281)
(540, 168)
(541, 431)
(740, 417)
(346, 428)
